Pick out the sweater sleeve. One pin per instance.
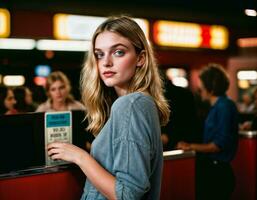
(132, 152)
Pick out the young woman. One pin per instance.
(122, 93)
(24, 100)
(7, 101)
(58, 91)
(215, 179)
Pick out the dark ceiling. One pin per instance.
(223, 12)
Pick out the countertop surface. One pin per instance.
(168, 155)
(248, 134)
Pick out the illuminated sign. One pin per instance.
(41, 81)
(4, 23)
(42, 70)
(76, 27)
(192, 35)
(247, 42)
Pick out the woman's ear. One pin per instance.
(141, 59)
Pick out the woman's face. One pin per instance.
(28, 96)
(10, 101)
(58, 92)
(255, 99)
(116, 60)
(205, 95)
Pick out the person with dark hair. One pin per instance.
(214, 175)
(24, 100)
(7, 101)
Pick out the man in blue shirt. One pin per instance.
(214, 175)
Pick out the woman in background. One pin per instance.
(7, 101)
(24, 99)
(58, 90)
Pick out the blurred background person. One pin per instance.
(7, 101)
(246, 105)
(255, 101)
(214, 174)
(183, 123)
(24, 100)
(252, 123)
(58, 90)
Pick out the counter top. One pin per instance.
(168, 155)
(177, 154)
(35, 171)
(248, 134)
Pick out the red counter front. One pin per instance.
(178, 180)
(67, 184)
(244, 166)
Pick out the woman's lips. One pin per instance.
(108, 74)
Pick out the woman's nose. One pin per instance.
(58, 91)
(107, 61)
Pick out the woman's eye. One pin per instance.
(62, 87)
(99, 55)
(119, 53)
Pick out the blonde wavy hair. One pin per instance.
(98, 98)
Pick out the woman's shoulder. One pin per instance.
(135, 98)
(43, 107)
(11, 112)
(76, 105)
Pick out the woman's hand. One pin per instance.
(183, 146)
(164, 138)
(103, 180)
(246, 126)
(65, 151)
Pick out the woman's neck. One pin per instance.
(213, 99)
(121, 91)
(59, 106)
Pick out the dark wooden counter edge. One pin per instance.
(37, 170)
(167, 155)
(248, 134)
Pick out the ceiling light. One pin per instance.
(251, 12)
(247, 75)
(14, 80)
(14, 43)
(63, 45)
